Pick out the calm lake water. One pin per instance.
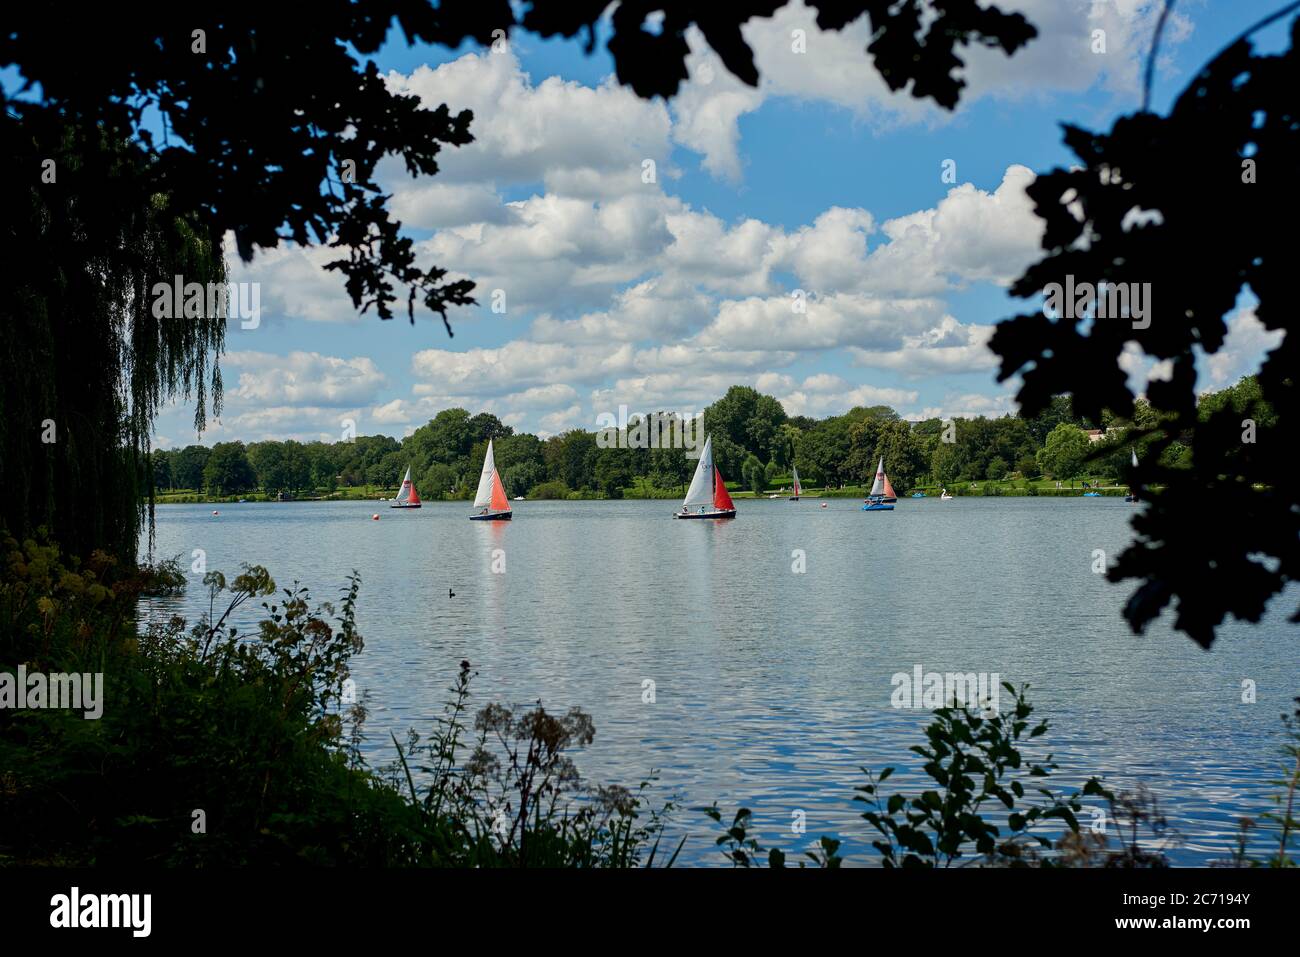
(773, 687)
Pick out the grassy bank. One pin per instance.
(345, 493)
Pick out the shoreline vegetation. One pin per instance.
(1008, 489)
(755, 444)
(218, 748)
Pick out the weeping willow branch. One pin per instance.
(86, 365)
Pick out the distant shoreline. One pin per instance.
(996, 491)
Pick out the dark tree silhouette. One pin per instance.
(85, 364)
(913, 42)
(265, 115)
(1223, 536)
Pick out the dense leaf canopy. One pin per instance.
(1192, 205)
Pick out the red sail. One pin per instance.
(499, 501)
(721, 500)
(889, 489)
(412, 496)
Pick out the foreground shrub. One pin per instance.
(219, 748)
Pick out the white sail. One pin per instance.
(795, 480)
(701, 490)
(878, 487)
(405, 494)
(1133, 452)
(484, 495)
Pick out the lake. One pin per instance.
(772, 686)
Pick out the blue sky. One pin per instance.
(658, 295)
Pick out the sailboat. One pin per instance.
(408, 497)
(491, 497)
(882, 495)
(707, 496)
(797, 487)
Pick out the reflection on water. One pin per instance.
(773, 687)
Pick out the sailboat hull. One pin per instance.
(877, 507)
(493, 517)
(406, 505)
(794, 498)
(719, 513)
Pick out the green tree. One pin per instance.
(437, 481)
(1063, 454)
(613, 471)
(323, 464)
(388, 471)
(269, 465)
(750, 422)
(570, 458)
(486, 426)
(784, 445)
(227, 471)
(521, 461)
(824, 450)
(188, 464)
(670, 468)
(752, 474)
(904, 455)
(1057, 410)
(162, 468)
(944, 463)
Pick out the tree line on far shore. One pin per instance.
(755, 444)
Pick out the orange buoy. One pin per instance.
(215, 512)
(823, 504)
(375, 517)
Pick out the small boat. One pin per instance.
(408, 497)
(797, 487)
(918, 495)
(518, 498)
(943, 495)
(707, 496)
(1132, 495)
(882, 496)
(1092, 495)
(491, 497)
